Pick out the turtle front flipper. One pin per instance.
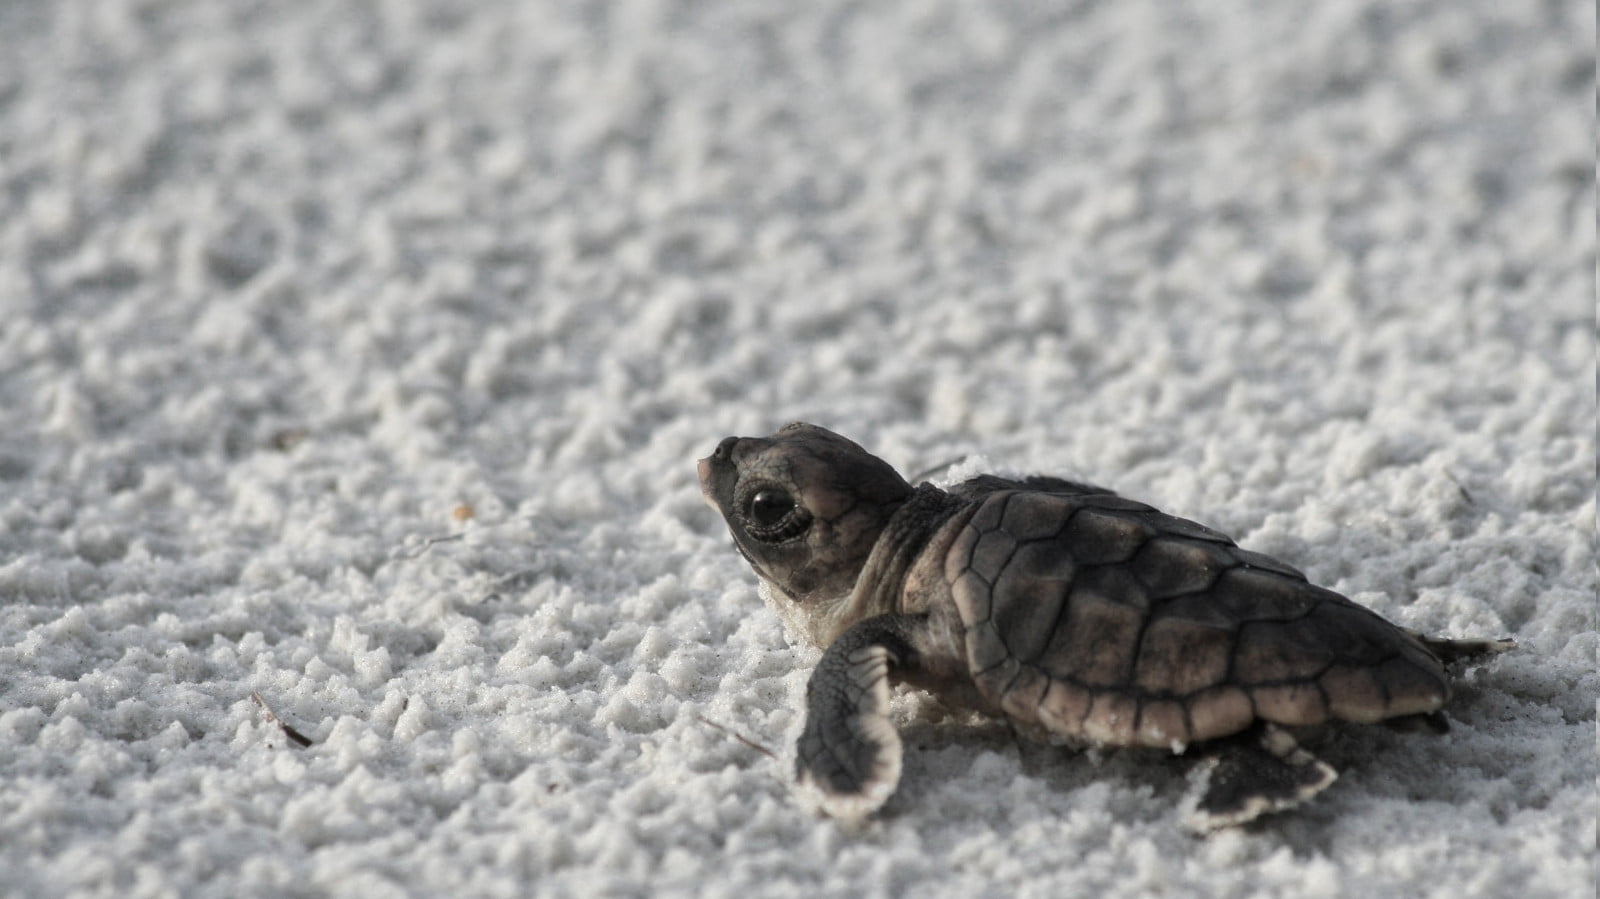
(1263, 770)
(849, 752)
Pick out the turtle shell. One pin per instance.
(1099, 618)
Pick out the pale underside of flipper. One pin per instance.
(1259, 772)
(848, 759)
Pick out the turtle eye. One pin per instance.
(769, 507)
(772, 515)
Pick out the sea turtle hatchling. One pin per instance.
(1075, 614)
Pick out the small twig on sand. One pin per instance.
(734, 734)
(1465, 494)
(426, 545)
(941, 467)
(460, 514)
(295, 737)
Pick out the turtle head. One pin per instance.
(805, 507)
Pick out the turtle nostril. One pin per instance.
(724, 452)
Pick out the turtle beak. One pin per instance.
(703, 467)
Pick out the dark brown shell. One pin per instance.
(1099, 618)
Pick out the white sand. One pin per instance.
(283, 288)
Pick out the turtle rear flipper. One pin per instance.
(1455, 650)
(848, 758)
(1421, 723)
(1262, 771)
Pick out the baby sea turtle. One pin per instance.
(1075, 614)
